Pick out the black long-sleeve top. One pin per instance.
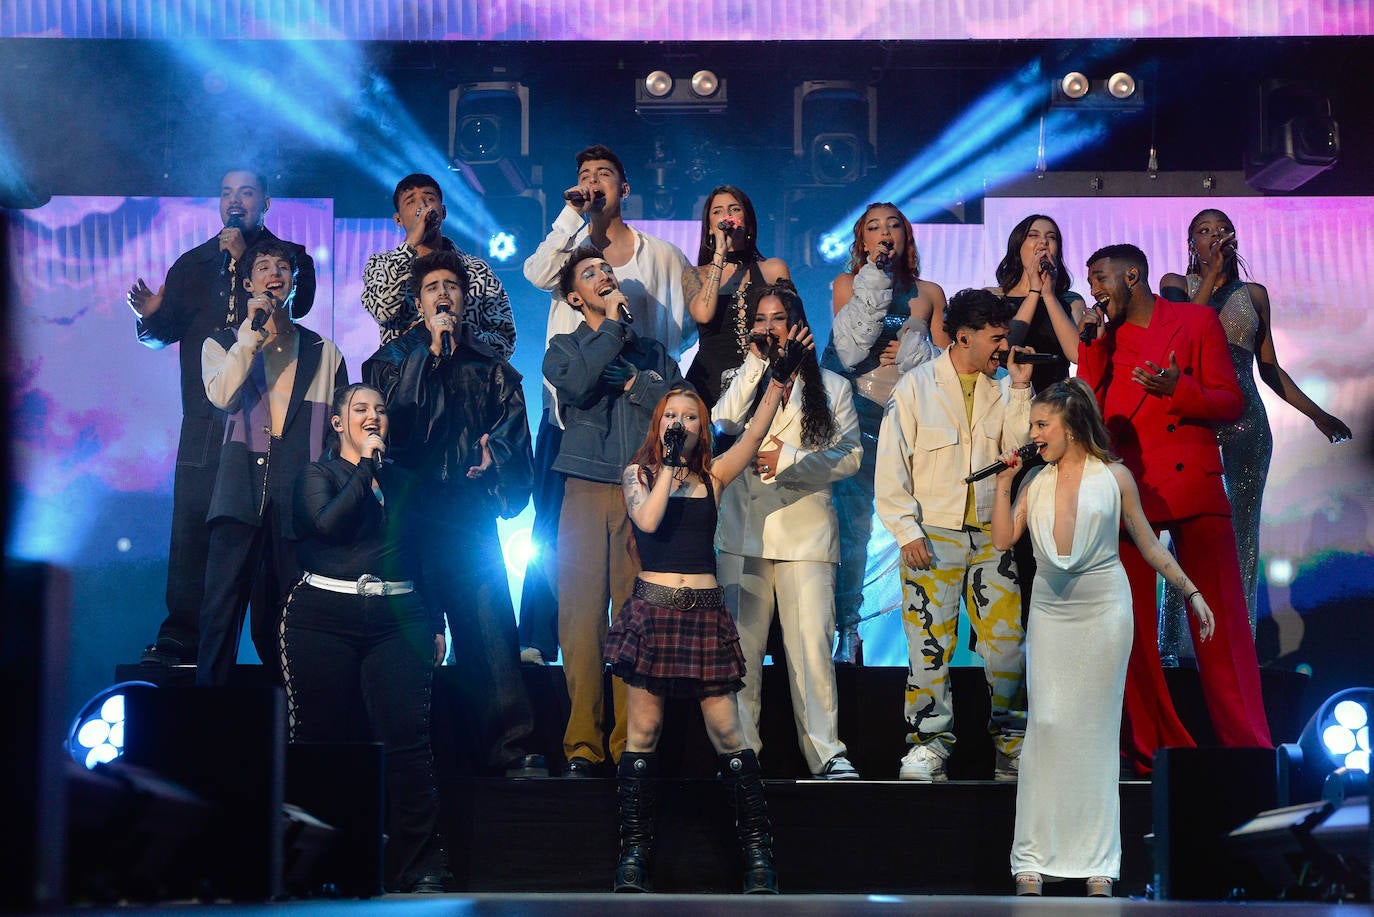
(347, 532)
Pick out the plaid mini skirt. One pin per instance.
(672, 651)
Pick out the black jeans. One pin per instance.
(361, 668)
(464, 576)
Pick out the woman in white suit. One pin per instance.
(778, 537)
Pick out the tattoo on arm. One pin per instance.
(633, 487)
(691, 283)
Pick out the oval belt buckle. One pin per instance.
(685, 598)
(366, 580)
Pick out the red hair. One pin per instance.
(649, 456)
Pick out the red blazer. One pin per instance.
(1169, 442)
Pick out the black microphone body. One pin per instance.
(234, 223)
(1047, 266)
(1023, 453)
(577, 198)
(884, 257)
(445, 337)
(673, 440)
(1089, 332)
(1034, 359)
(260, 318)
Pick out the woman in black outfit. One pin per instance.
(358, 646)
(727, 264)
(675, 636)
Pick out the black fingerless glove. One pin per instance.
(788, 360)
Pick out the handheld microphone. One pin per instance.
(1047, 265)
(260, 318)
(728, 225)
(673, 440)
(884, 258)
(235, 222)
(1034, 359)
(445, 337)
(577, 198)
(1089, 332)
(1022, 453)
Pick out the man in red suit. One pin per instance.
(1163, 376)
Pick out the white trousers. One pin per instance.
(805, 593)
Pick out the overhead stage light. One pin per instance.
(1121, 85)
(1294, 137)
(658, 84)
(703, 93)
(834, 130)
(1075, 85)
(705, 83)
(489, 135)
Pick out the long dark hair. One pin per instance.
(818, 421)
(751, 226)
(1009, 271)
(905, 272)
(649, 455)
(1073, 400)
(1232, 264)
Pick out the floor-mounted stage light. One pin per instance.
(1336, 737)
(1294, 137)
(97, 733)
(702, 93)
(834, 130)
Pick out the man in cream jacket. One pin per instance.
(947, 418)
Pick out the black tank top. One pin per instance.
(685, 540)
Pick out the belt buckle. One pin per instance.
(684, 598)
(367, 579)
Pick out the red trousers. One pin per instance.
(1227, 664)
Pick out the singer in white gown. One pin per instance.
(1078, 638)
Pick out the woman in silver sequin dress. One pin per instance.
(1214, 279)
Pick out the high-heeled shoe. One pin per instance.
(1029, 883)
(1099, 887)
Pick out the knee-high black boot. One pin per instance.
(741, 771)
(637, 790)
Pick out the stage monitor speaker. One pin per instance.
(1199, 796)
(33, 671)
(342, 783)
(228, 746)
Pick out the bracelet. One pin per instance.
(1033, 291)
(1191, 594)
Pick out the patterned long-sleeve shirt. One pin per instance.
(386, 295)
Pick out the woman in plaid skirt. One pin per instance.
(675, 636)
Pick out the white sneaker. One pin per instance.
(838, 768)
(923, 765)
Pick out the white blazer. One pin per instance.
(787, 516)
(927, 446)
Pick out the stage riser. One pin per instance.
(869, 837)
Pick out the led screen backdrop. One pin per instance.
(703, 20)
(94, 414)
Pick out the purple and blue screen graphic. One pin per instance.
(706, 20)
(95, 415)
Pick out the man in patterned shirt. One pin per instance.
(420, 213)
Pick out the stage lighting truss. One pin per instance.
(704, 92)
(97, 733)
(834, 130)
(489, 135)
(1119, 92)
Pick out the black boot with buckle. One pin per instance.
(740, 769)
(636, 788)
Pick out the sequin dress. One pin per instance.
(1078, 641)
(1246, 448)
